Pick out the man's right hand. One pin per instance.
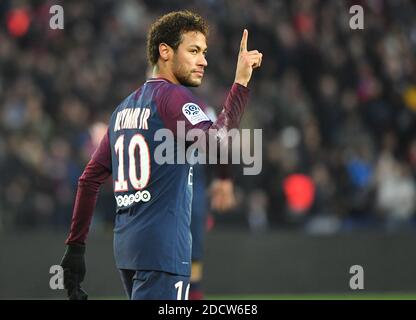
(73, 263)
(247, 61)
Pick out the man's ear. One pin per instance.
(165, 51)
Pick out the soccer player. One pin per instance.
(152, 239)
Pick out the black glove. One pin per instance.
(73, 263)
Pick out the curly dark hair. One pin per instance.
(169, 29)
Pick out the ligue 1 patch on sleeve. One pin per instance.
(194, 113)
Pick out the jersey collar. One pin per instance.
(158, 79)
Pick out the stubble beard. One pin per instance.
(184, 77)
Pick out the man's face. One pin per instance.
(189, 61)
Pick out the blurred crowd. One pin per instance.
(337, 106)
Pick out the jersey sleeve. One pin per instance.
(102, 154)
(95, 174)
(176, 104)
(89, 184)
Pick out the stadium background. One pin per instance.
(337, 108)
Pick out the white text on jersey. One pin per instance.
(132, 118)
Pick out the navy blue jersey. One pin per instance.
(152, 226)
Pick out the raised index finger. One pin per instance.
(243, 45)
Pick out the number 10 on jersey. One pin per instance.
(138, 152)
